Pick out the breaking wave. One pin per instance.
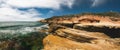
(9, 29)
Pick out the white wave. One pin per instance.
(3, 24)
(24, 30)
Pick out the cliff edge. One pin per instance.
(87, 32)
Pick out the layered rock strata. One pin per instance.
(83, 33)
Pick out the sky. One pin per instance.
(34, 10)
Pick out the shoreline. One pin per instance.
(85, 33)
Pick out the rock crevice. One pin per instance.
(83, 33)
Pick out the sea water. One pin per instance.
(20, 31)
(20, 27)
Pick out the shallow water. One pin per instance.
(22, 32)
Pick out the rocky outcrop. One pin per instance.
(72, 39)
(52, 42)
(84, 33)
(84, 19)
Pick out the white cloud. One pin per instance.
(12, 14)
(9, 8)
(52, 4)
(97, 2)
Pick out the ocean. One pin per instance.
(21, 33)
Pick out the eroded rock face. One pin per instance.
(72, 39)
(52, 42)
(111, 31)
(86, 33)
(84, 19)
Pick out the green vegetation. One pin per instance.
(110, 14)
(30, 41)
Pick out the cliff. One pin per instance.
(87, 32)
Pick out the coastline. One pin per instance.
(21, 35)
(83, 32)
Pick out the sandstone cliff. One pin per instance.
(86, 32)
